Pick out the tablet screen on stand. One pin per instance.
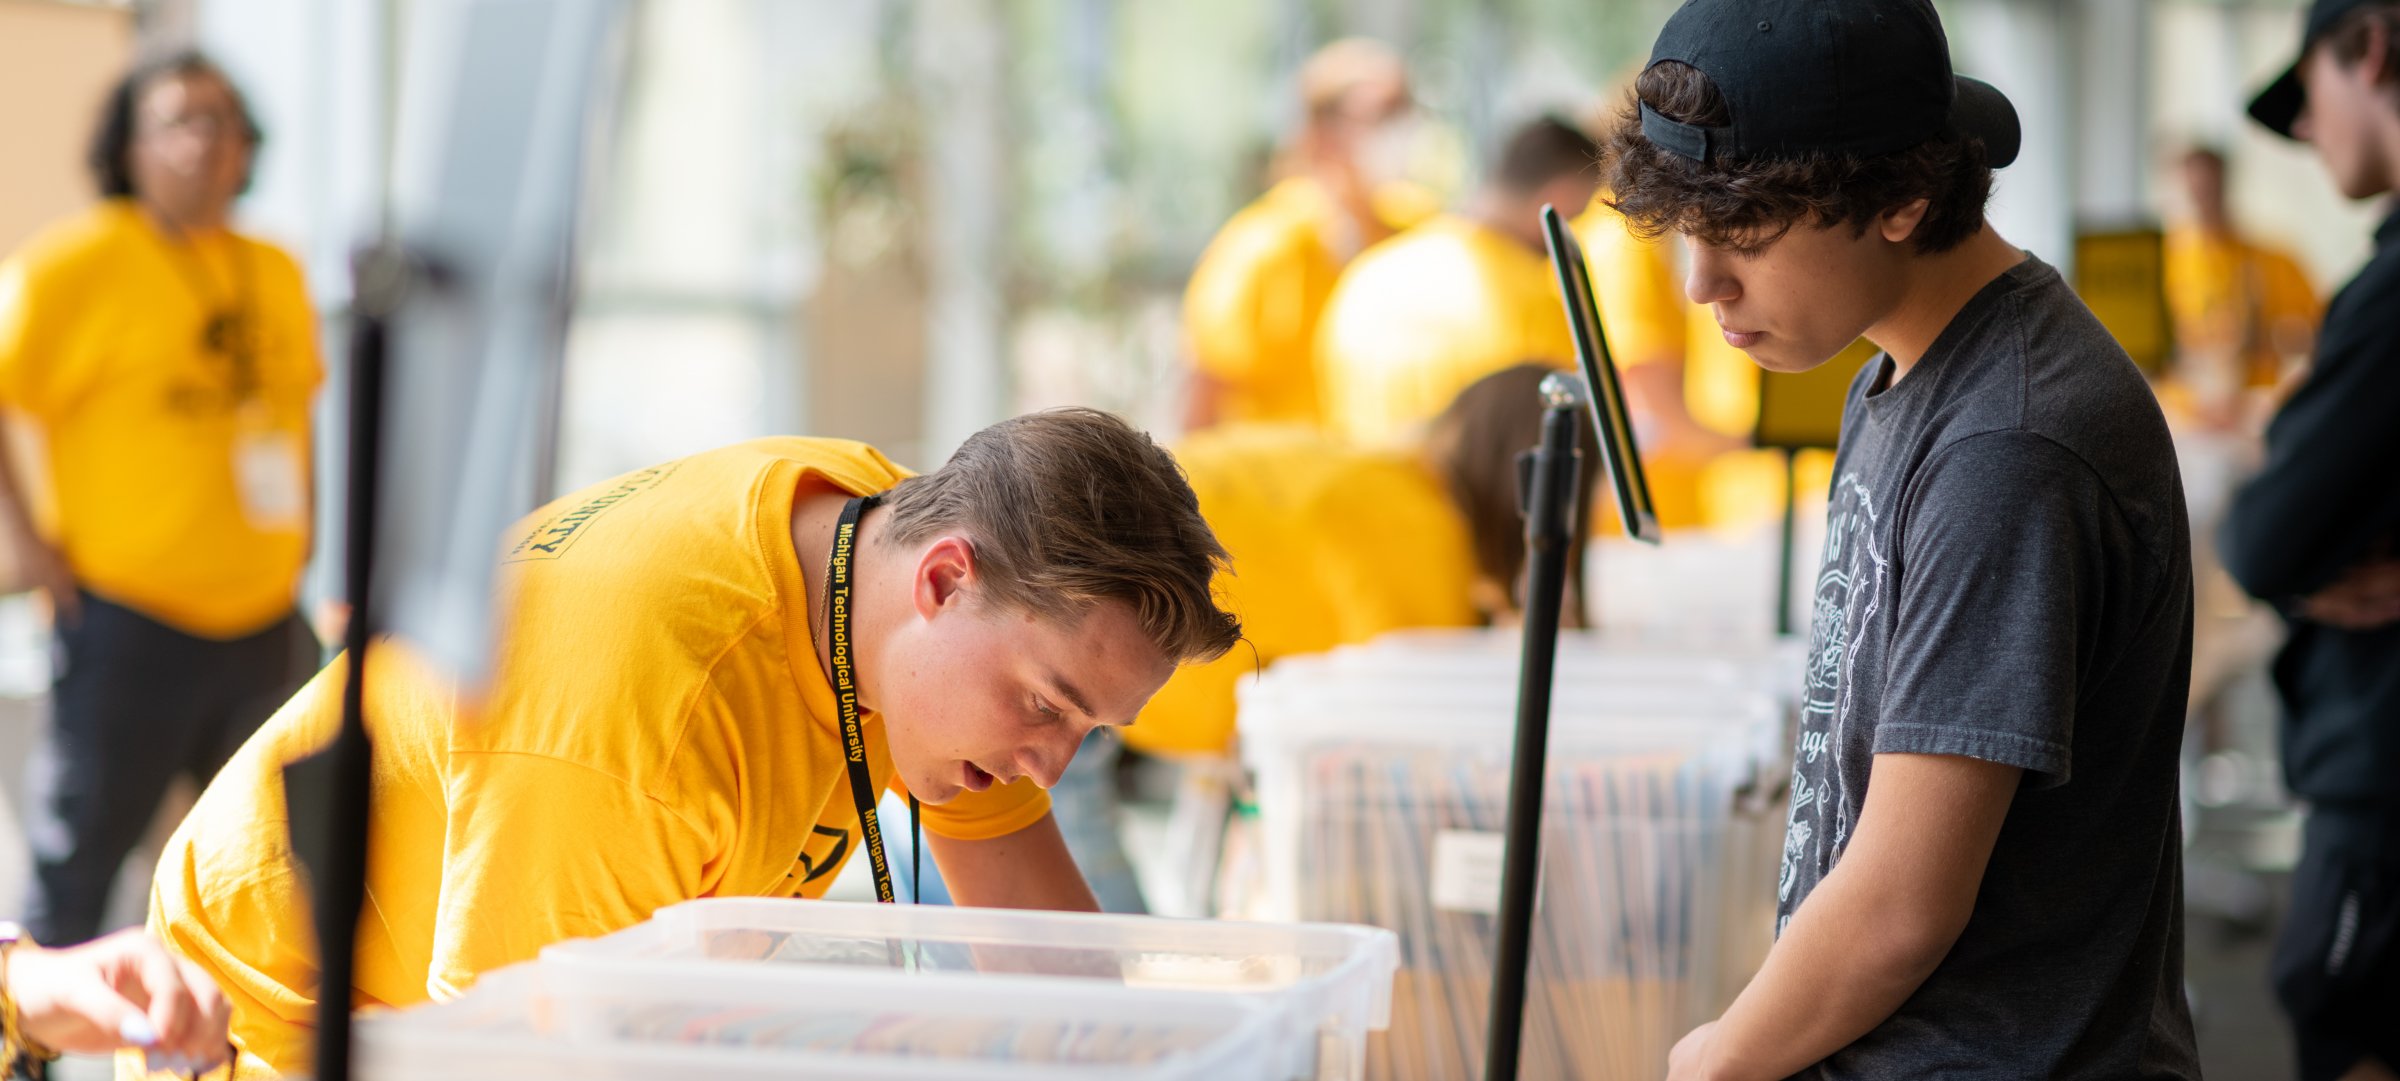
(1606, 395)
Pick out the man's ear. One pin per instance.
(945, 572)
(1900, 223)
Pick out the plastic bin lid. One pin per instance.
(1305, 970)
(545, 1020)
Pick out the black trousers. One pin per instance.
(135, 703)
(2337, 965)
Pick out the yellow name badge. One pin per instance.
(271, 469)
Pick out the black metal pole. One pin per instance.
(1549, 539)
(327, 792)
(1791, 541)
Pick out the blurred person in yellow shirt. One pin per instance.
(2244, 312)
(1334, 544)
(1417, 318)
(1250, 310)
(681, 708)
(167, 363)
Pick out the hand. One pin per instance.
(1694, 1056)
(46, 570)
(117, 991)
(2364, 598)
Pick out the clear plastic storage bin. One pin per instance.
(1322, 986)
(1383, 775)
(547, 1022)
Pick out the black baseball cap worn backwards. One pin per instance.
(1803, 77)
(2278, 106)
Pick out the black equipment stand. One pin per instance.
(1548, 474)
(326, 793)
(1790, 554)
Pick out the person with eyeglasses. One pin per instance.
(167, 363)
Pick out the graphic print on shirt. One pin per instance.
(1850, 590)
(818, 859)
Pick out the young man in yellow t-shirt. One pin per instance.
(1418, 317)
(167, 363)
(2245, 313)
(662, 721)
(1250, 310)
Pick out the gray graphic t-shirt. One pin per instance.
(2007, 576)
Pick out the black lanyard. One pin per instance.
(845, 699)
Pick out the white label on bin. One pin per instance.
(1466, 871)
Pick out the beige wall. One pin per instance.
(56, 62)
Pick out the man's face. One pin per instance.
(1375, 125)
(190, 150)
(973, 694)
(2340, 118)
(1794, 302)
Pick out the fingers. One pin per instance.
(183, 1027)
(174, 1013)
(2381, 577)
(211, 1031)
(2366, 597)
(124, 990)
(65, 1003)
(2345, 610)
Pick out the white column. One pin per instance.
(962, 86)
(314, 73)
(2112, 41)
(2019, 47)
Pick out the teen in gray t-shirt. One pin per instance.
(2007, 576)
(1982, 874)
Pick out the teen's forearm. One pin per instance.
(1879, 923)
(1845, 963)
(1030, 868)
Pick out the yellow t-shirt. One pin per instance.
(2229, 295)
(657, 729)
(171, 490)
(1636, 285)
(1250, 310)
(1419, 317)
(1330, 545)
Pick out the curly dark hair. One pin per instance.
(1749, 204)
(112, 141)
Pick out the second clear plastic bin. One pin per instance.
(549, 1022)
(1324, 986)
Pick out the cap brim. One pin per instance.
(1981, 110)
(2278, 106)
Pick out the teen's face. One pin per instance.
(1799, 299)
(2340, 118)
(190, 150)
(974, 695)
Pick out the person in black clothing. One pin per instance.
(2313, 533)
